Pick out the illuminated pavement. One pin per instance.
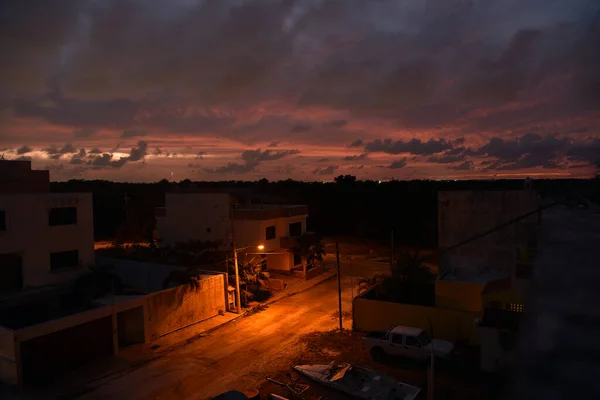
(240, 354)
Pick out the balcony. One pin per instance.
(264, 212)
(288, 242)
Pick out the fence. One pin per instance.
(452, 325)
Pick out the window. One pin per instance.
(296, 229)
(270, 233)
(208, 230)
(496, 305)
(2, 220)
(515, 307)
(62, 216)
(397, 339)
(424, 338)
(412, 341)
(64, 259)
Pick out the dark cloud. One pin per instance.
(286, 169)
(274, 144)
(84, 133)
(326, 171)
(139, 152)
(357, 143)
(157, 151)
(23, 158)
(356, 157)
(301, 128)
(398, 164)
(131, 133)
(232, 167)
(586, 152)
(414, 146)
(95, 150)
(464, 166)
(447, 158)
(257, 156)
(78, 159)
(200, 155)
(24, 150)
(102, 160)
(323, 160)
(56, 153)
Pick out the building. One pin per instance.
(45, 238)
(221, 216)
(489, 236)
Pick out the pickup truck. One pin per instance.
(404, 341)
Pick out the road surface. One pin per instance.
(240, 355)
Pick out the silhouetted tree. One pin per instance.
(310, 249)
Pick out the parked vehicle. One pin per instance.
(359, 382)
(409, 342)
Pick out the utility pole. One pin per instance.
(392, 252)
(431, 385)
(337, 257)
(238, 298)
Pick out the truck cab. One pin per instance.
(409, 342)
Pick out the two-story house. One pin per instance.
(225, 215)
(45, 238)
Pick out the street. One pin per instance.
(240, 354)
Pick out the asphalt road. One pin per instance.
(240, 355)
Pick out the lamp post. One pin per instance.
(238, 297)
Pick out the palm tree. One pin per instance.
(310, 249)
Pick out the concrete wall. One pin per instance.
(464, 214)
(457, 295)
(492, 356)
(453, 325)
(253, 232)
(179, 307)
(8, 356)
(283, 260)
(29, 234)
(195, 216)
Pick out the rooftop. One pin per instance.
(473, 276)
(270, 211)
(559, 350)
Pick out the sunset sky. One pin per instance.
(307, 89)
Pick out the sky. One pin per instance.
(309, 89)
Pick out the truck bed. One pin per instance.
(377, 335)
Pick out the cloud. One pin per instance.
(413, 146)
(356, 157)
(464, 166)
(84, 133)
(24, 150)
(55, 153)
(326, 171)
(301, 128)
(357, 143)
(274, 144)
(232, 167)
(200, 155)
(139, 152)
(23, 158)
(323, 160)
(257, 156)
(95, 150)
(131, 133)
(336, 123)
(157, 151)
(586, 152)
(397, 164)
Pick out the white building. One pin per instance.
(213, 215)
(45, 238)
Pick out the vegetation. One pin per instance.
(310, 249)
(253, 280)
(410, 281)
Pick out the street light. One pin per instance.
(238, 297)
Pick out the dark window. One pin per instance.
(11, 273)
(397, 339)
(208, 230)
(270, 233)
(62, 216)
(412, 341)
(2, 220)
(296, 229)
(64, 259)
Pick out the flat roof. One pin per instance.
(475, 276)
(406, 330)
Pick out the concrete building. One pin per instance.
(45, 238)
(219, 215)
(495, 254)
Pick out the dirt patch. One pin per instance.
(345, 315)
(346, 346)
